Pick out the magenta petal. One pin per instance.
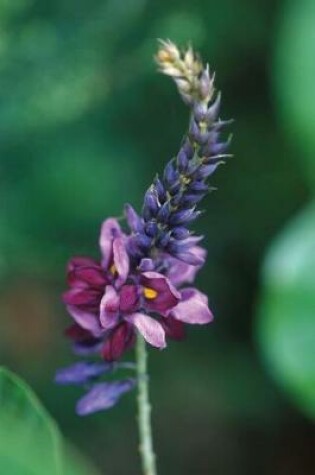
(90, 275)
(193, 308)
(174, 329)
(121, 261)
(120, 340)
(86, 320)
(109, 231)
(78, 261)
(180, 272)
(167, 296)
(151, 330)
(109, 308)
(129, 297)
(81, 296)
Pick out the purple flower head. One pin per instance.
(138, 285)
(111, 300)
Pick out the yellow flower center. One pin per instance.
(113, 269)
(149, 293)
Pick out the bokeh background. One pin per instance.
(85, 123)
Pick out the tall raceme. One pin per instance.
(138, 290)
(170, 203)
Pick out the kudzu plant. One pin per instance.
(140, 291)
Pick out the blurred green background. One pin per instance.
(85, 123)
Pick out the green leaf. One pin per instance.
(286, 324)
(30, 443)
(294, 74)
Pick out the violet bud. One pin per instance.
(188, 149)
(160, 189)
(200, 111)
(174, 189)
(198, 186)
(182, 160)
(151, 228)
(194, 131)
(171, 175)
(133, 219)
(184, 217)
(163, 239)
(180, 233)
(207, 170)
(179, 247)
(151, 205)
(214, 109)
(190, 200)
(143, 241)
(133, 248)
(189, 257)
(164, 212)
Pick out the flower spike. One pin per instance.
(137, 287)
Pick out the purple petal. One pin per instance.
(109, 308)
(80, 373)
(121, 339)
(103, 396)
(84, 343)
(129, 297)
(180, 272)
(109, 231)
(151, 330)
(189, 257)
(193, 308)
(121, 260)
(85, 319)
(174, 329)
(80, 296)
(146, 265)
(167, 296)
(92, 276)
(78, 261)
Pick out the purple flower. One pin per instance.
(179, 272)
(110, 300)
(103, 396)
(131, 303)
(192, 308)
(138, 285)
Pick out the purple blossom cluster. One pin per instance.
(142, 283)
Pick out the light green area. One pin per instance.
(286, 325)
(30, 442)
(294, 77)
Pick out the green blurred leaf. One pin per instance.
(29, 438)
(286, 325)
(294, 75)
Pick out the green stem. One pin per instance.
(144, 411)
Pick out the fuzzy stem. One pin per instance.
(144, 410)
